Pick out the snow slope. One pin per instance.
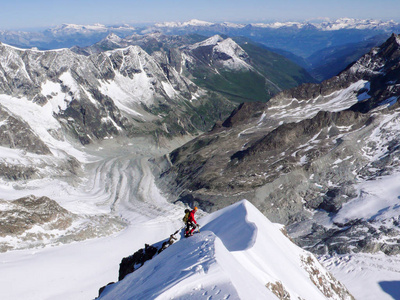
(238, 253)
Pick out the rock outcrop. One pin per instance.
(38, 221)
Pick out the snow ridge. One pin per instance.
(221, 263)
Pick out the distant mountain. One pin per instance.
(339, 24)
(322, 48)
(302, 158)
(239, 254)
(64, 36)
(241, 72)
(299, 38)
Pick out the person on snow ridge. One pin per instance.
(191, 223)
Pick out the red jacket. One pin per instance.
(191, 217)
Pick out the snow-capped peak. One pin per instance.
(329, 25)
(239, 254)
(113, 38)
(350, 23)
(193, 22)
(76, 27)
(212, 41)
(277, 25)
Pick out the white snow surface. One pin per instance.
(377, 200)
(236, 254)
(367, 276)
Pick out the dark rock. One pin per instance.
(101, 290)
(131, 263)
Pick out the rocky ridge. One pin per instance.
(35, 221)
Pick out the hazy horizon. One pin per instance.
(35, 15)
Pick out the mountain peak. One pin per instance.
(112, 37)
(193, 22)
(212, 41)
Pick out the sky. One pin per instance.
(23, 14)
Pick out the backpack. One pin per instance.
(186, 217)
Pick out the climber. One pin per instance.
(191, 223)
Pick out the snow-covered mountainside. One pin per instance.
(241, 70)
(124, 88)
(54, 104)
(314, 158)
(239, 254)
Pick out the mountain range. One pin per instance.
(103, 146)
(309, 41)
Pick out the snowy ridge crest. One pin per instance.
(220, 262)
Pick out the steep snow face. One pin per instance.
(132, 83)
(239, 254)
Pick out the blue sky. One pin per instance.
(21, 14)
